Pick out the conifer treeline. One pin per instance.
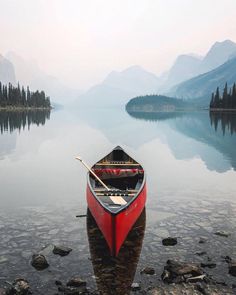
(226, 101)
(11, 96)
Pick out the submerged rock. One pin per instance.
(232, 268)
(19, 287)
(76, 282)
(201, 253)
(61, 250)
(222, 234)
(148, 270)
(169, 241)
(208, 264)
(202, 240)
(39, 262)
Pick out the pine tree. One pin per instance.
(217, 98)
(212, 100)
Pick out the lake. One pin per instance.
(190, 161)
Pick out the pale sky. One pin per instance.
(81, 41)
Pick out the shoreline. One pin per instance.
(222, 110)
(20, 109)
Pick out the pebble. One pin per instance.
(169, 241)
(61, 250)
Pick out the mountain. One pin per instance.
(7, 72)
(133, 79)
(29, 74)
(189, 66)
(203, 85)
(119, 87)
(185, 67)
(219, 53)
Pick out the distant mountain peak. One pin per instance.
(134, 68)
(7, 71)
(222, 43)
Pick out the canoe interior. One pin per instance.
(122, 174)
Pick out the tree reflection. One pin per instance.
(11, 120)
(225, 120)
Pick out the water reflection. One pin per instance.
(115, 275)
(159, 116)
(215, 130)
(11, 120)
(226, 120)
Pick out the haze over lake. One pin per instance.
(183, 153)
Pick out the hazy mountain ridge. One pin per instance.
(189, 66)
(7, 71)
(118, 87)
(185, 67)
(29, 74)
(203, 85)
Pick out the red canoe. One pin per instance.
(116, 210)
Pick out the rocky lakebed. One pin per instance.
(177, 247)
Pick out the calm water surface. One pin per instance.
(190, 160)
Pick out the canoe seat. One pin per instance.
(118, 200)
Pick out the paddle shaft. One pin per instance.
(91, 171)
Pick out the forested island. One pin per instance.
(224, 102)
(156, 103)
(13, 98)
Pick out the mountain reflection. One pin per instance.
(225, 120)
(114, 275)
(217, 130)
(10, 120)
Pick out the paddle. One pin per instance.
(91, 171)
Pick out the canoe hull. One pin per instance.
(115, 227)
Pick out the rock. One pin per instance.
(202, 240)
(76, 282)
(169, 241)
(58, 283)
(19, 287)
(135, 287)
(222, 234)
(39, 262)
(180, 268)
(148, 270)
(209, 265)
(232, 268)
(61, 250)
(2, 291)
(179, 272)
